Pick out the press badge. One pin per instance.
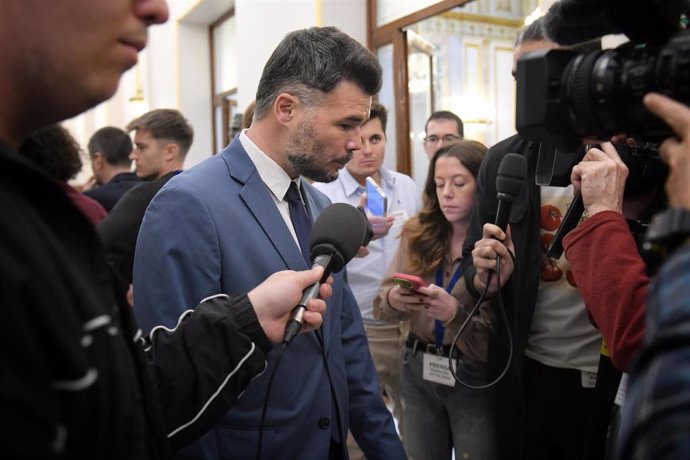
(436, 370)
(400, 217)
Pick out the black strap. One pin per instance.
(605, 390)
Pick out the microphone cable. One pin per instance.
(336, 236)
(283, 347)
(264, 408)
(502, 309)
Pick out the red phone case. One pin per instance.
(408, 281)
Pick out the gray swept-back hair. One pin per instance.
(310, 62)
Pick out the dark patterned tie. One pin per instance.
(300, 219)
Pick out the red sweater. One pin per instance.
(610, 275)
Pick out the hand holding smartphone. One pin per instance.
(406, 281)
(377, 202)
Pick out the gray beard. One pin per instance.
(304, 165)
(302, 155)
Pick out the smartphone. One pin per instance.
(377, 203)
(408, 281)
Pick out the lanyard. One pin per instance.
(438, 325)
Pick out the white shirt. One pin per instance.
(404, 201)
(561, 334)
(275, 178)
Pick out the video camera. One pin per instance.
(565, 98)
(568, 97)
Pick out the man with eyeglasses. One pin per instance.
(443, 128)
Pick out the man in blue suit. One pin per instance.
(224, 226)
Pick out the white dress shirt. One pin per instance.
(404, 201)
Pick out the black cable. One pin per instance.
(467, 321)
(268, 392)
(270, 384)
(330, 379)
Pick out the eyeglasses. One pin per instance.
(448, 138)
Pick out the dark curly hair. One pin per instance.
(55, 151)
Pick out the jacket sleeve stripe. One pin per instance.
(225, 381)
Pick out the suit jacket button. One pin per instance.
(324, 422)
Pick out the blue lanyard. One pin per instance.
(438, 325)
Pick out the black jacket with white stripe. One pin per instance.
(76, 379)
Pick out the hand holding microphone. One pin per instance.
(496, 239)
(275, 298)
(494, 243)
(336, 236)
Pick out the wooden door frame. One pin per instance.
(220, 99)
(393, 33)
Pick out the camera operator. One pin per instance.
(603, 255)
(610, 273)
(657, 407)
(563, 97)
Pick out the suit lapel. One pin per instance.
(257, 197)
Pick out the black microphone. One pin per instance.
(335, 238)
(509, 183)
(570, 22)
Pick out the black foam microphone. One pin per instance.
(570, 22)
(509, 184)
(335, 238)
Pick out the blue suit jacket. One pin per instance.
(215, 228)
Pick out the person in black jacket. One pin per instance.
(78, 380)
(543, 401)
(162, 138)
(109, 150)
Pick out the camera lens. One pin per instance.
(602, 92)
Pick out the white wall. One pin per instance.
(350, 16)
(262, 24)
(193, 81)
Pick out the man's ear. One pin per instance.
(97, 161)
(284, 108)
(172, 150)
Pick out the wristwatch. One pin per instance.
(671, 224)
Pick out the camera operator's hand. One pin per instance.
(600, 179)
(674, 151)
(494, 243)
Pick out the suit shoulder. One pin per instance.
(320, 198)
(96, 193)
